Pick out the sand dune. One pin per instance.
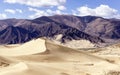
(57, 53)
(40, 57)
(32, 47)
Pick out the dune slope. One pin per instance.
(40, 57)
(31, 47)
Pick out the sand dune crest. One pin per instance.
(31, 47)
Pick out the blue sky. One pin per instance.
(30, 9)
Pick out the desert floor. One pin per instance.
(40, 57)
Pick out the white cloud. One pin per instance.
(47, 12)
(10, 11)
(38, 13)
(37, 3)
(55, 12)
(102, 10)
(61, 7)
(3, 16)
(13, 11)
(19, 10)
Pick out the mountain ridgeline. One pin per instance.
(92, 28)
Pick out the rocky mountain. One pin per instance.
(93, 25)
(12, 35)
(91, 28)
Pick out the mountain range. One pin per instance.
(92, 28)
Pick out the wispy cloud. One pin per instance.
(48, 12)
(12, 11)
(61, 7)
(3, 16)
(38, 13)
(37, 3)
(19, 11)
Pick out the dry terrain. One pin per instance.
(42, 57)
